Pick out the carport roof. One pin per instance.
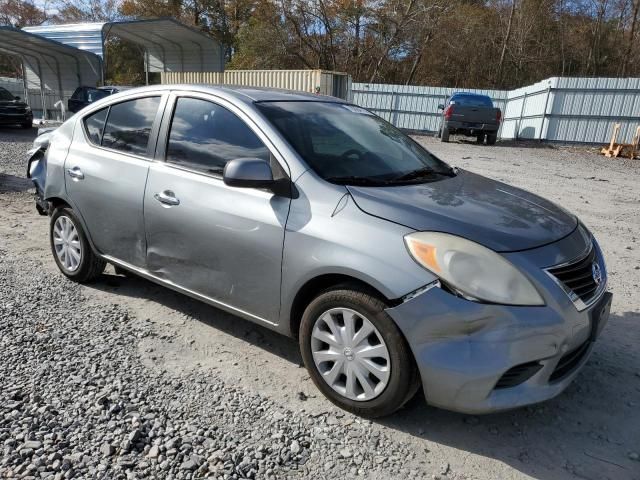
(171, 45)
(59, 67)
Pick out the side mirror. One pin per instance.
(440, 106)
(16, 98)
(248, 173)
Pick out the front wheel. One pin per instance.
(70, 247)
(491, 138)
(355, 353)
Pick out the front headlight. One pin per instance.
(476, 272)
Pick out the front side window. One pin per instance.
(205, 136)
(94, 125)
(129, 125)
(347, 144)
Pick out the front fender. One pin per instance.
(331, 235)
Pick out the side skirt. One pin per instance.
(198, 296)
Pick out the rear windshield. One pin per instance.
(472, 101)
(347, 144)
(5, 94)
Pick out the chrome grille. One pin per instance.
(583, 279)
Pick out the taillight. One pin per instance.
(498, 115)
(448, 112)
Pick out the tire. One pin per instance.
(491, 138)
(480, 139)
(382, 398)
(26, 125)
(444, 135)
(80, 263)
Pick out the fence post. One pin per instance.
(544, 113)
(524, 100)
(391, 99)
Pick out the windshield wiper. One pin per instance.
(421, 173)
(353, 180)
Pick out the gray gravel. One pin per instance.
(76, 401)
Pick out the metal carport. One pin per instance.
(169, 45)
(52, 71)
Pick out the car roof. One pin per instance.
(244, 93)
(469, 94)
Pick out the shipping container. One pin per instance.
(323, 82)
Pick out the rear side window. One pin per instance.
(472, 101)
(129, 125)
(77, 95)
(93, 95)
(205, 136)
(94, 125)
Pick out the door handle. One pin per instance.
(167, 197)
(75, 173)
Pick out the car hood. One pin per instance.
(494, 214)
(12, 103)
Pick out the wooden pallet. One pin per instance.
(616, 149)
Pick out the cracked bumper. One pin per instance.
(463, 348)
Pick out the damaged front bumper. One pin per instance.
(481, 358)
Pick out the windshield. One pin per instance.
(349, 145)
(6, 95)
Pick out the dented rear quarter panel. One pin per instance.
(55, 158)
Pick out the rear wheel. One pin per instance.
(491, 138)
(26, 125)
(355, 353)
(444, 135)
(480, 138)
(70, 247)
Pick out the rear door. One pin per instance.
(106, 170)
(221, 242)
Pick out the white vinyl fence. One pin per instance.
(559, 109)
(14, 85)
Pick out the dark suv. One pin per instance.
(13, 111)
(84, 96)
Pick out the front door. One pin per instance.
(218, 241)
(105, 174)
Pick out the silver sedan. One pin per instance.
(317, 219)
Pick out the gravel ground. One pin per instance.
(125, 379)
